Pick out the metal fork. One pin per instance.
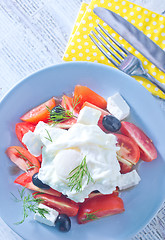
(126, 61)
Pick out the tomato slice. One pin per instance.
(68, 103)
(22, 158)
(25, 180)
(96, 193)
(85, 94)
(103, 113)
(125, 167)
(99, 206)
(129, 152)
(39, 113)
(93, 194)
(67, 124)
(40, 158)
(62, 204)
(148, 151)
(22, 128)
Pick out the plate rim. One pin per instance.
(19, 83)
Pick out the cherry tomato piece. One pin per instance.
(22, 128)
(67, 123)
(129, 150)
(22, 158)
(69, 104)
(62, 204)
(148, 151)
(99, 206)
(85, 94)
(39, 113)
(40, 158)
(96, 193)
(25, 180)
(125, 167)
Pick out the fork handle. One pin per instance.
(161, 86)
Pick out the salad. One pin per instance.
(78, 152)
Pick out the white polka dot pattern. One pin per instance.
(81, 48)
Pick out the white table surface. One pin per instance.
(73, 5)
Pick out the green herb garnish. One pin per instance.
(60, 114)
(75, 102)
(29, 204)
(77, 174)
(90, 216)
(49, 137)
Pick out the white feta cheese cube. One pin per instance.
(50, 217)
(33, 143)
(43, 135)
(48, 133)
(128, 180)
(88, 116)
(118, 107)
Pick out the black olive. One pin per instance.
(56, 110)
(111, 123)
(57, 113)
(63, 223)
(38, 183)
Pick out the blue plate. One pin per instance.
(141, 202)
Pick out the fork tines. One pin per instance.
(106, 37)
(120, 57)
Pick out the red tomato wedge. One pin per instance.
(103, 113)
(22, 158)
(69, 104)
(85, 94)
(99, 206)
(125, 167)
(39, 113)
(148, 151)
(67, 124)
(94, 194)
(129, 152)
(22, 128)
(40, 158)
(25, 180)
(62, 204)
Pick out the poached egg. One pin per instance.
(64, 150)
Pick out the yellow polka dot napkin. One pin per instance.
(81, 48)
(84, 7)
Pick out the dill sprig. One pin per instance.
(90, 216)
(29, 204)
(77, 175)
(75, 102)
(60, 114)
(29, 163)
(49, 137)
